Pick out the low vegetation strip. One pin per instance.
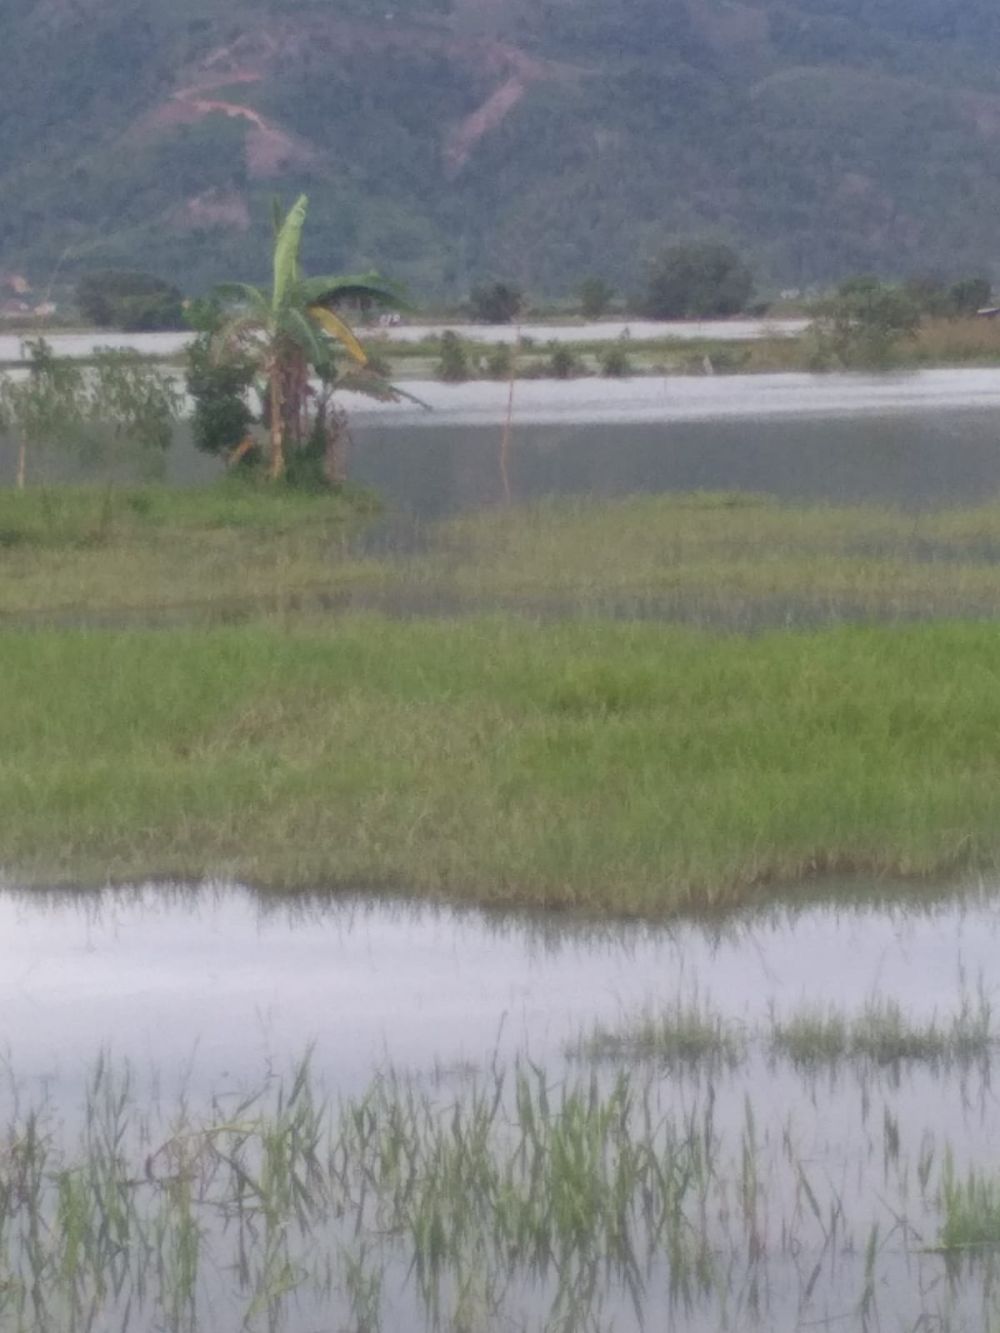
(607, 767)
(690, 1033)
(731, 560)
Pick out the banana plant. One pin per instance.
(293, 333)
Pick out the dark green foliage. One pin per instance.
(454, 363)
(615, 362)
(135, 302)
(221, 418)
(823, 137)
(865, 321)
(218, 385)
(595, 297)
(929, 294)
(934, 297)
(968, 295)
(697, 280)
(499, 362)
(495, 302)
(563, 363)
(307, 465)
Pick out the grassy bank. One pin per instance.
(74, 550)
(609, 767)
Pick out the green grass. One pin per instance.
(884, 1035)
(78, 549)
(724, 557)
(616, 768)
(571, 761)
(685, 1033)
(227, 1218)
(739, 561)
(970, 1210)
(690, 1033)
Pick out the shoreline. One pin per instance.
(650, 398)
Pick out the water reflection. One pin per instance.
(914, 455)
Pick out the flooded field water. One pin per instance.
(478, 1142)
(912, 458)
(472, 1166)
(927, 439)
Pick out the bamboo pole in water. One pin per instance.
(508, 421)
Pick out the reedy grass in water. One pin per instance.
(516, 1186)
(688, 1032)
(514, 1202)
(722, 557)
(883, 1034)
(612, 768)
(970, 1209)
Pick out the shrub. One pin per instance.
(563, 363)
(595, 297)
(615, 362)
(862, 325)
(453, 365)
(696, 280)
(499, 362)
(134, 302)
(495, 302)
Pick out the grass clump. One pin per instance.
(811, 1037)
(688, 1032)
(884, 1035)
(971, 1211)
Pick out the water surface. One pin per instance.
(213, 989)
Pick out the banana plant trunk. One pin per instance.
(277, 462)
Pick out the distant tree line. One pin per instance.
(132, 302)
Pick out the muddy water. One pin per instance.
(210, 989)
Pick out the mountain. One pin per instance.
(539, 140)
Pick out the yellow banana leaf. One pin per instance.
(337, 328)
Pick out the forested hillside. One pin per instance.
(541, 140)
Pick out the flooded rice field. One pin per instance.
(223, 1110)
(915, 452)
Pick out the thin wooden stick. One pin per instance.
(505, 438)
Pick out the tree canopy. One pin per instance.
(696, 280)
